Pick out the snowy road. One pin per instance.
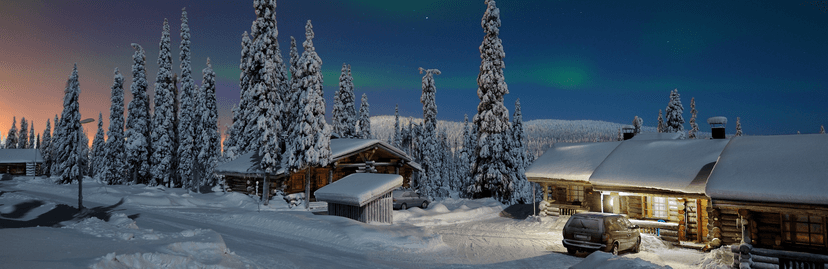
(228, 232)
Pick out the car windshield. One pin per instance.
(582, 223)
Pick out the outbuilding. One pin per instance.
(20, 161)
(365, 197)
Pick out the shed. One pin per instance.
(20, 161)
(660, 180)
(365, 197)
(778, 187)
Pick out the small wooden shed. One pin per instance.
(770, 198)
(365, 197)
(20, 161)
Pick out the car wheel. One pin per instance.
(615, 249)
(637, 247)
(571, 251)
(403, 207)
(425, 204)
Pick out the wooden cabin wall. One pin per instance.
(722, 225)
(592, 199)
(766, 230)
(634, 206)
(247, 185)
(296, 181)
(683, 211)
(13, 168)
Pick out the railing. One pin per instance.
(746, 256)
(666, 230)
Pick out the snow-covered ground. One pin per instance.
(150, 227)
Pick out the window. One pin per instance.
(550, 192)
(576, 193)
(803, 229)
(660, 207)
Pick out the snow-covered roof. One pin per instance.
(656, 136)
(717, 120)
(340, 148)
(570, 161)
(8, 156)
(359, 188)
(673, 165)
(781, 169)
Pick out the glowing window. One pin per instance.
(660, 207)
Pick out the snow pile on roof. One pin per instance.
(717, 120)
(247, 163)
(358, 189)
(782, 169)
(675, 165)
(575, 161)
(20, 156)
(603, 260)
(450, 211)
(656, 136)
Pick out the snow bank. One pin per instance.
(450, 211)
(603, 260)
(720, 258)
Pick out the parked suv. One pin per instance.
(403, 199)
(600, 231)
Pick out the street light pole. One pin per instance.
(77, 161)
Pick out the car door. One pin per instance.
(627, 233)
(619, 232)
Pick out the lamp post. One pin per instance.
(77, 161)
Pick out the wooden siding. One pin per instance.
(18, 169)
(683, 211)
(377, 210)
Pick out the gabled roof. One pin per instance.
(9, 156)
(570, 161)
(340, 148)
(781, 169)
(358, 189)
(673, 165)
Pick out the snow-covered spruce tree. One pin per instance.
(397, 140)
(338, 116)
(138, 131)
(465, 162)
(11, 138)
(229, 148)
(210, 138)
(290, 100)
(673, 113)
(310, 144)
(84, 153)
(37, 145)
(694, 127)
(114, 170)
(163, 120)
(738, 128)
(365, 119)
(98, 151)
(187, 125)
(71, 148)
(54, 166)
(822, 129)
(520, 158)
(637, 123)
(234, 143)
(493, 175)
(431, 147)
(45, 149)
(660, 127)
(31, 143)
(23, 142)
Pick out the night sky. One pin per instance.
(763, 61)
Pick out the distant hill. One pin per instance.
(540, 133)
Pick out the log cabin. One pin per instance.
(364, 197)
(770, 200)
(348, 156)
(20, 162)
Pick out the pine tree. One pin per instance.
(520, 158)
(187, 125)
(637, 123)
(230, 150)
(739, 127)
(54, 146)
(345, 114)
(37, 145)
(23, 142)
(83, 160)
(660, 127)
(98, 151)
(822, 129)
(11, 138)
(465, 158)
(365, 119)
(45, 149)
(338, 116)
(234, 143)
(431, 147)
(138, 132)
(210, 138)
(163, 128)
(71, 149)
(290, 109)
(674, 111)
(492, 176)
(310, 145)
(694, 127)
(397, 132)
(31, 143)
(114, 171)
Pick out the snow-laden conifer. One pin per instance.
(739, 128)
(138, 131)
(23, 142)
(54, 166)
(365, 119)
(822, 129)
(520, 158)
(290, 100)
(72, 148)
(465, 158)
(673, 113)
(187, 153)
(339, 117)
(397, 140)
(431, 147)
(310, 143)
(11, 138)
(114, 172)
(230, 150)
(98, 151)
(45, 149)
(492, 174)
(163, 128)
(210, 138)
(37, 145)
(660, 127)
(694, 127)
(636, 123)
(31, 143)
(85, 153)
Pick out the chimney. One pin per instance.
(717, 125)
(628, 131)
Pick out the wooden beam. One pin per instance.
(642, 190)
(773, 207)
